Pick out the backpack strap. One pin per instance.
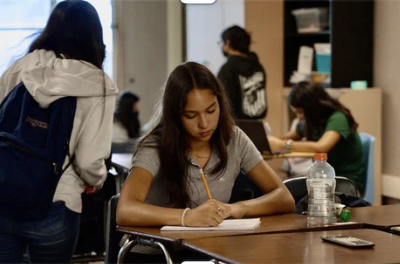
(71, 159)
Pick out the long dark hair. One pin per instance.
(170, 136)
(73, 30)
(318, 106)
(124, 114)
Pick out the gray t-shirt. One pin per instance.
(242, 156)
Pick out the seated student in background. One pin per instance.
(296, 166)
(126, 121)
(193, 128)
(329, 127)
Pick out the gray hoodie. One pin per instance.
(48, 78)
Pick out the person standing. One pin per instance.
(65, 60)
(243, 76)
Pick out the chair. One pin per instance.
(244, 189)
(298, 187)
(112, 236)
(368, 143)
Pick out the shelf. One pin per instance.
(350, 34)
(308, 35)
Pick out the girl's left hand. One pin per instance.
(237, 210)
(276, 143)
(90, 189)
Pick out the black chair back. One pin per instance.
(113, 237)
(298, 187)
(346, 186)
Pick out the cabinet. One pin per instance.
(350, 34)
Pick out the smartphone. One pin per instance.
(348, 241)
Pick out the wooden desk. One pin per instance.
(124, 159)
(306, 247)
(284, 223)
(289, 155)
(379, 217)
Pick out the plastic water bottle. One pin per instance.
(321, 186)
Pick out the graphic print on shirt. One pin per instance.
(253, 94)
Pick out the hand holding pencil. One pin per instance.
(209, 213)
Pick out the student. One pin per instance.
(126, 121)
(193, 128)
(296, 166)
(65, 60)
(329, 127)
(243, 75)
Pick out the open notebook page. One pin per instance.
(226, 225)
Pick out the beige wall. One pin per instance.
(263, 19)
(386, 76)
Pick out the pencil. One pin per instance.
(203, 177)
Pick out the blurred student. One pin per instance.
(126, 117)
(65, 60)
(242, 75)
(296, 166)
(329, 127)
(193, 129)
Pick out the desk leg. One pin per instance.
(125, 249)
(167, 256)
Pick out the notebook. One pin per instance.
(226, 225)
(255, 130)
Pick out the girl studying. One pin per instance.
(329, 128)
(193, 129)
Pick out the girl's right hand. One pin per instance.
(210, 213)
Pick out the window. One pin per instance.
(21, 22)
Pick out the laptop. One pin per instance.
(255, 130)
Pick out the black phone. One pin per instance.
(348, 241)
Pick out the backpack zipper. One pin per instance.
(55, 171)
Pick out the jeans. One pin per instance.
(51, 240)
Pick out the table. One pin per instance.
(284, 223)
(289, 155)
(377, 217)
(305, 247)
(122, 163)
(122, 160)
(372, 220)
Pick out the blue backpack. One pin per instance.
(34, 143)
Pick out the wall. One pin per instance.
(386, 76)
(205, 24)
(264, 20)
(149, 47)
(174, 34)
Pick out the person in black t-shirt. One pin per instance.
(242, 75)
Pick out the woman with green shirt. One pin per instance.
(329, 128)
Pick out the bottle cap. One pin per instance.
(320, 156)
(345, 215)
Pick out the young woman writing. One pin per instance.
(193, 128)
